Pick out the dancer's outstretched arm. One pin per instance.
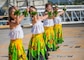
(60, 13)
(44, 17)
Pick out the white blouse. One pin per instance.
(16, 33)
(48, 22)
(37, 28)
(57, 20)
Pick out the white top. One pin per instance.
(48, 22)
(57, 20)
(37, 28)
(16, 33)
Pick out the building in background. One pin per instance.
(62, 2)
(38, 2)
(30, 2)
(5, 4)
(74, 13)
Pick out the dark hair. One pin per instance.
(10, 10)
(48, 5)
(32, 7)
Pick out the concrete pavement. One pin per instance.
(73, 46)
(71, 49)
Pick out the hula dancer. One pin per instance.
(48, 26)
(16, 50)
(58, 25)
(37, 49)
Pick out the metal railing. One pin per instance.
(73, 14)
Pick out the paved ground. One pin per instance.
(71, 49)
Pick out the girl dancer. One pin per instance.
(37, 49)
(16, 50)
(58, 25)
(48, 26)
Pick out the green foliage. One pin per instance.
(50, 14)
(73, 2)
(55, 13)
(33, 13)
(17, 12)
(25, 13)
(64, 9)
(78, 2)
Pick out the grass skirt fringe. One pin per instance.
(37, 49)
(49, 38)
(16, 50)
(58, 33)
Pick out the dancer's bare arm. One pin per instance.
(60, 13)
(43, 17)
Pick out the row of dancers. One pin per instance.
(46, 33)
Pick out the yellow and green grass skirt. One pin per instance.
(37, 49)
(58, 33)
(16, 50)
(49, 39)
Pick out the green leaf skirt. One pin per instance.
(16, 50)
(37, 49)
(58, 33)
(49, 38)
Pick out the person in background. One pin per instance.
(48, 27)
(58, 25)
(16, 49)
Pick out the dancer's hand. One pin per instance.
(27, 9)
(16, 8)
(56, 7)
(64, 8)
